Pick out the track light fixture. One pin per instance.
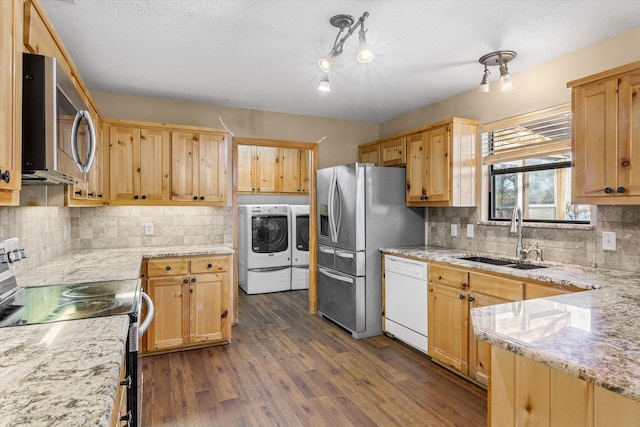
(324, 84)
(345, 23)
(498, 59)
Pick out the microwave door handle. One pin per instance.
(151, 311)
(74, 140)
(335, 276)
(92, 141)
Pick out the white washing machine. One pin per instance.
(300, 248)
(264, 248)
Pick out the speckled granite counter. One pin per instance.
(592, 335)
(106, 264)
(50, 377)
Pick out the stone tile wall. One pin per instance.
(123, 226)
(580, 245)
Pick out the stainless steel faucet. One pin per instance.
(516, 228)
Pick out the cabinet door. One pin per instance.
(417, 152)
(290, 170)
(594, 141)
(170, 325)
(212, 161)
(10, 99)
(448, 324)
(629, 136)
(480, 351)
(245, 169)
(184, 166)
(438, 165)
(209, 315)
(369, 154)
(306, 167)
(153, 164)
(394, 152)
(124, 163)
(266, 169)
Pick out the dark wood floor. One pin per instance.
(286, 367)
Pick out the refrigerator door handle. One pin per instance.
(332, 193)
(344, 254)
(335, 276)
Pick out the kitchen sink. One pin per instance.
(503, 262)
(486, 260)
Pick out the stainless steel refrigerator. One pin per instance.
(361, 208)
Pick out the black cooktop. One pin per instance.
(45, 304)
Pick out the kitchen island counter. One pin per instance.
(594, 335)
(60, 374)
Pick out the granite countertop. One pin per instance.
(50, 377)
(592, 335)
(100, 265)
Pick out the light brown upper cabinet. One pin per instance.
(386, 152)
(441, 164)
(369, 153)
(273, 169)
(10, 101)
(138, 165)
(606, 137)
(198, 167)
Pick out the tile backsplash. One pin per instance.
(580, 245)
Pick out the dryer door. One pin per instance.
(302, 233)
(270, 234)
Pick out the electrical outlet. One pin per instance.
(148, 228)
(470, 231)
(608, 241)
(454, 229)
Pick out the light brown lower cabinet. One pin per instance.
(192, 301)
(523, 392)
(120, 411)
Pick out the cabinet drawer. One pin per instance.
(512, 290)
(448, 276)
(167, 266)
(208, 264)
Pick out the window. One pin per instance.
(529, 161)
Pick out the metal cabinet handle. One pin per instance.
(471, 299)
(462, 297)
(195, 197)
(136, 197)
(201, 197)
(127, 381)
(608, 190)
(144, 197)
(621, 190)
(209, 265)
(168, 267)
(185, 281)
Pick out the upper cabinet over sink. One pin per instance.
(606, 137)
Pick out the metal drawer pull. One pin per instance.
(335, 276)
(327, 250)
(344, 254)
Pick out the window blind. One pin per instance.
(543, 133)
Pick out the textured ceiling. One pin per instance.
(262, 54)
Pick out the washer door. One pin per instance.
(270, 234)
(302, 233)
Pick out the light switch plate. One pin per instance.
(608, 241)
(454, 229)
(470, 231)
(148, 228)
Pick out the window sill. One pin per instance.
(547, 225)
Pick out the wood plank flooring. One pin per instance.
(286, 367)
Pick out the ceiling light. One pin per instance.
(497, 59)
(346, 23)
(324, 84)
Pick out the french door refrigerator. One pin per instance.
(361, 208)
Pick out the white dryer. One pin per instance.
(264, 248)
(300, 249)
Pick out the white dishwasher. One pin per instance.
(406, 300)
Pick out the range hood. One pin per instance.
(58, 138)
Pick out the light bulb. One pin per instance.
(326, 63)
(364, 51)
(324, 84)
(505, 78)
(484, 85)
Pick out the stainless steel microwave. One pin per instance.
(58, 136)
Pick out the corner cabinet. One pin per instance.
(385, 152)
(11, 25)
(442, 164)
(606, 137)
(192, 300)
